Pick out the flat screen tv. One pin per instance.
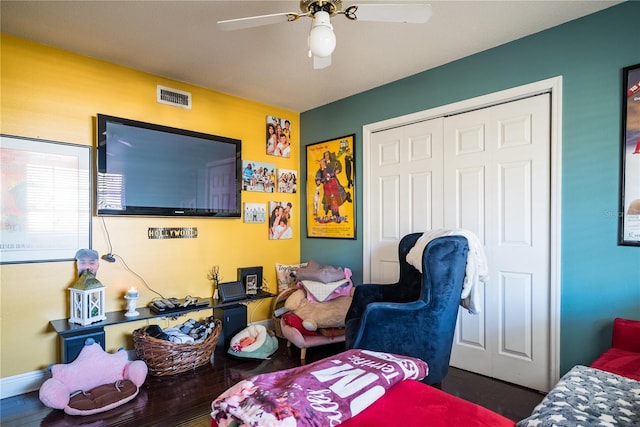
(146, 169)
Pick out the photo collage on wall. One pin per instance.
(264, 177)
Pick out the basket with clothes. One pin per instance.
(178, 349)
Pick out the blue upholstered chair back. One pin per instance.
(417, 315)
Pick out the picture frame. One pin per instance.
(278, 136)
(251, 284)
(331, 192)
(258, 176)
(251, 276)
(34, 173)
(629, 213)
(254, 213)
(287, 180)
(281, 219)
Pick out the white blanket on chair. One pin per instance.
(477, 269)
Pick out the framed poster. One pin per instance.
(45, 200)
(331, 210)
(629, 218)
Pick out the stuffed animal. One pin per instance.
(314, 315)
(80, 387)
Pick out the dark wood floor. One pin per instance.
(185, 399)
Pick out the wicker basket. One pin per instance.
(167, 358)
(278, 302)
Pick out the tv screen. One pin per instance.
(152, 170)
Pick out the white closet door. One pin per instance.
(497, 184)
(406, 190)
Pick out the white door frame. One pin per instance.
(552, 86)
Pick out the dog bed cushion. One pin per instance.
(101, 398)
(253, 342)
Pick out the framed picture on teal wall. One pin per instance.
(629, 225)
(45, 200)
(331, 211)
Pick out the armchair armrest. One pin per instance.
(383, 327)
(626, 334)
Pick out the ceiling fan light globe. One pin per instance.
(322, 41)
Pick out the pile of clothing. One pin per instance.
(190, 332)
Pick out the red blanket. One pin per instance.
(324, 393)
(426, 406)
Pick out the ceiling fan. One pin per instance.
(322, 40)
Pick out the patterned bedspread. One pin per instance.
(588, 397)
(323, 393)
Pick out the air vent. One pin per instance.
(174, 97)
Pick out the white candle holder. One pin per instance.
(131, 306)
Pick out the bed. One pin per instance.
(355, 388)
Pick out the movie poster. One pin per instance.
(630, 198)
(331, 211)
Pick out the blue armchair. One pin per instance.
(417, 315)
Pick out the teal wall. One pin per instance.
(600, 280)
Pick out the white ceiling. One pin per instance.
(179, 39)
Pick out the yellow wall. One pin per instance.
(55, 95)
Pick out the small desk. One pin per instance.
(74, 335)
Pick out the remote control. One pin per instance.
(157, 306)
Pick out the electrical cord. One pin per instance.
(111, 257)
(136, 274)
(259, 302)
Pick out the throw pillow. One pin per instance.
(319, 273)
(283, 274)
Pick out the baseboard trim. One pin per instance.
(23, 383)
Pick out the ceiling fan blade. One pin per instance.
(409, 13)
(320, 62)
(258, 21)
